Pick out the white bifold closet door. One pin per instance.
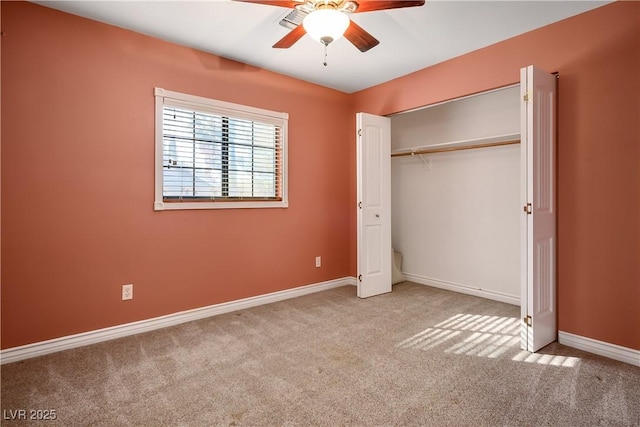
(538, 225)
(374, 204)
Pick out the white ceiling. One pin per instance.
(410, 38)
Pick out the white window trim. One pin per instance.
(262, 115)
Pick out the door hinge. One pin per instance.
(359, 132)
(527, 320)
(360, 205)
(527, 208)
(525, 97)
(360, 278)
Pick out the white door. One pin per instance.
(538, 225)
(374, 204)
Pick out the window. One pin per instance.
(213, 154)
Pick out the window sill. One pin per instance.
(162, 206)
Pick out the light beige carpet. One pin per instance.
(416, 356)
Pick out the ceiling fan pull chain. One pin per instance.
(325, 55)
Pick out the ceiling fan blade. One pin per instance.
(291, 37)
(282, 3)
(360, 38)
(370, 5)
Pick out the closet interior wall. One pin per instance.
(456, 215)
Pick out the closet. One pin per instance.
(470, 208)
(455, 194)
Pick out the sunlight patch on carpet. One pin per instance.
(482, 336)
(471, 334)
(546, 359)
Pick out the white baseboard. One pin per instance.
(612, 351)
(15, 354)
(469, 290)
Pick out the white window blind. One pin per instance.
(213, 154)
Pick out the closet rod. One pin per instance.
(465, 147)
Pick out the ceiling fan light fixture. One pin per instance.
(326, 25)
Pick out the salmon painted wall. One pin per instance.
(78, 182)
(598, 57)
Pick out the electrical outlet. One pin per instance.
(127, 292)
(318, 261)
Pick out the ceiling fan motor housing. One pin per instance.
(341, 5)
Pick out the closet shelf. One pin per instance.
(467, 144)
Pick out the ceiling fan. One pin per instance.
(327, 20)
